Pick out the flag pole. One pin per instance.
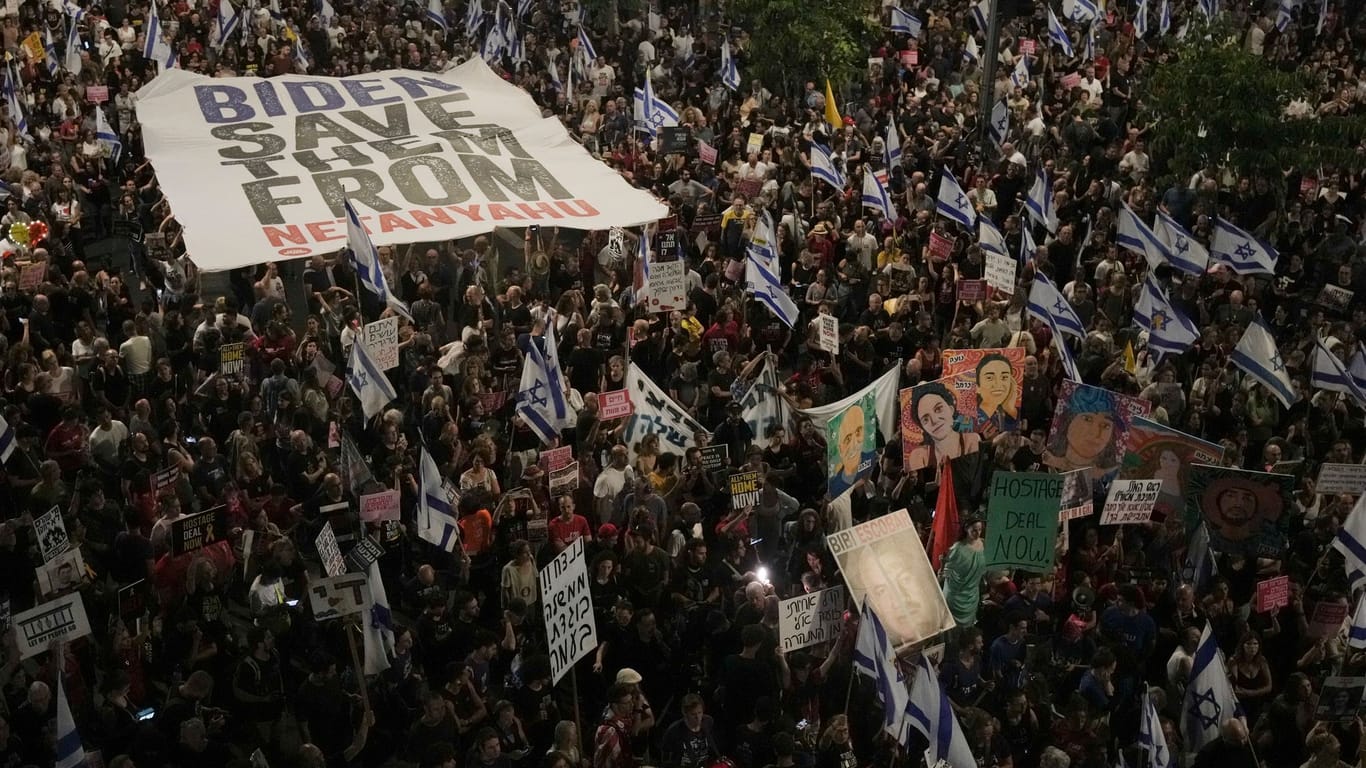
(356, 663)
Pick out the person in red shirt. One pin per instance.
(567, 527)
(66, 442)
(723, 335)
(612, 742)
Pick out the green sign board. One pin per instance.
(1022, 520)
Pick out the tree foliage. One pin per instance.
(795, 40)
(1214, 102)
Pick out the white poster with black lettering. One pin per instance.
(1341, 478)
(339, 596)
(810, 619)
(570, 629)
(1000, 272)
(329, 552)
(50, 531)
(57, 620)
(668, 286)
(381, 341)
(828, 328)
(1130, 501)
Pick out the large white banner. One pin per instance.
(657, 413)
(571, 632)
(885, 391)
(259, 169)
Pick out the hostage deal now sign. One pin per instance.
(421, 156)
(1022, 519)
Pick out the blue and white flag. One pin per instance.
(875, 657)
(1058, 34)
(952, 203)
(73, 10)
(1027, 245)
(1000, 123)
(1047, 303)
(540, 396)
(1080, 11)
(1257, 355)
(105, 135)
(875, 195)
(1358, 369)
(1209, 7)
(72, 60)
(554, 70)
(300, 55)
(50, 51)
(1329, 373)
(379, 626)
(70, 752)
(823, 167)
(1132, 233)
(1089, 52)
(1019, 77)
(1184, 252)
(1069, 363)
(1199, 566)
(1151, 737)
(930, 713)
(154, 45)
(981, 13)
(1283, 17)
(730, 74)
(326, 12)
(642, 292)
(989, 238)
(436, 518)
(474, 18)
(9, 440)
(524, 7)
(1169, 331)
(761, 274)
(12, 105)
(365, 260)
(1164, 18)
(590, 53)
(1242, 252)
(1356, 633)
(369, 383)
(1141, 20)
(1209, 701)
(1351, 543)
(652, 112)
(436, 14)
(972, 53)
(891, 148)
(1039, 201)
(229, 18)
(906, 22)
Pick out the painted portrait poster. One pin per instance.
(1158, 452)
(851, 445)
(1090, 431)
(933, 430)
(992, 402)
(1245, 513)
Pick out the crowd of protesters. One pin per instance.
(110, 377)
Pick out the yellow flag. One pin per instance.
(832, 112)
(1130, 362)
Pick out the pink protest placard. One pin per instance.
(1273, 594)
(614, 405)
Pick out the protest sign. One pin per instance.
(97, 94)
(883, 561)
(987, 387)
(328, 552)
(1071, 80)
(754, 143)
(654, 412)
(910, 58)
(673, 140)
(1130, 501)
(851, 446)
(1340, 698)
(194, 532)
(380, 506)
(1090, 428)
(941, 246)
(565, 479)
(33, 44)
(50, 531)
(972, 290)
(1022, 520)
(381, 341)
(614, 405)
(828, 333)
(1273, 593)
(56, 620)
(706, 152)
(1026, 47)
(1246, 513)
(492, 401)
(366, 551)
(61, 573)
(232, 359)
(1000, 272)
(744, 489)
(715, 457)
(477, 154)
(1341, 478)
(1076, 496)
(1157, 452)
(668, 285)
(1326, 618)
(555, 458)
(810, 619)
(165, 478)
(31, 275)
(337, 596)
(1335, 298)
(571, 632)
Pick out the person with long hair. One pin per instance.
(1086, 435)
(997, 393)
(933, 410)
(964, 567)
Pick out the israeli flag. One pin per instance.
(1283, 18)
(1209, 698)
(1080, 11)
(989, 238)
(1132, 233)
(981, 13)
(589, 52)
(891, 152)
(154, 46)
(1141, 20)
(106, 136)
(1164, 18)
(1329, 373)
(554, 71)
(875, 195)
(50, 51)
(436, 14)
(70, 752)
(730, 74)
(1184, 252)
(1209, 7)
(1089, 52)
(1027, 245)
(369, 383)
(1351, 543)
(474, 18)
(1019, 77)
(642, 291)
(952, 203)
(1243, 253)
(8, 440)
(930, 712)
(1047, 303)
(228, 20)
(823, 167)
(524, 7)
(1058, 34)
(1199, 566)
(906, 22)
(1069, 363)
(379, 627)
(436, 517)
(540, 395)
(652, 112)
(761, 273)
(72, 60)
(1000, 122)
(1257, 355)
(365, 259)
(1039, 202)
(300, 55)
(875, 657)
(1169, 331)
(972, 53)
(1356, 634)
(15, 109)
(1151, 737)
(1358, 369)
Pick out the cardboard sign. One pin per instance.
(910, 58)
(194, 532)
(828, 333)
(328, 551)
(381, 341)
(1027, 47)
(366, 551)
(614, 405)
(1341, 478)
(668, 286)
(706, 152)
(1340, 698)
(1130, 501)
(61, 574)
(972, 290)
(338, 596)
(1273, 594)
(232, 359)
(1071, 80)
(380, 506)
(810, 619)
(1000, 272)
(62, 619)
(556, 458)
(50, 531)
(565, 479)
(571, 632)
(744, 489)
(941, 247)
(165, 478)
(31, 275)
(1022, 520)
(1326, 618)
(97, 94)
(715, 457)
(755, 143)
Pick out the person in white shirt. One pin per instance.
(136, 352)
(615, 477)
(274, 286)
(753, 169)
(862, 245)
(106, 440)
(1136, 161)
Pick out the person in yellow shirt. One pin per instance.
(889, 254)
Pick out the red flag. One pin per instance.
(944, 530)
